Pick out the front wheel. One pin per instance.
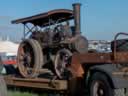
(61, 62)
(99, 85)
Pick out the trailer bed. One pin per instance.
(101, 58)
(58, 85)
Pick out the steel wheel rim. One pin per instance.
(25, 59)
(61, 62)
(98, 89)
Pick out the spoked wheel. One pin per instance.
(30, 58)
(62, 60)
(100, 86)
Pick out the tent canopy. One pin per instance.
(8, 47)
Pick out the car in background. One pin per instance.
(8, 63)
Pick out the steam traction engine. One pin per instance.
(53, 44)
(49, 41)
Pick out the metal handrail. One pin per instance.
(115, 43)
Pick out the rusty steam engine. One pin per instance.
(49, 42)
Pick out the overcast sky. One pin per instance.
(101, 19)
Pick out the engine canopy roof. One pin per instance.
(43, 19)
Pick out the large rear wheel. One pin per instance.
(30, 58)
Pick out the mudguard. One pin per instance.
(116, 77)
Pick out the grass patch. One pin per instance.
(17, 93)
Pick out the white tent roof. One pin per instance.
(8, 47)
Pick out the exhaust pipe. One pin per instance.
(76, 12)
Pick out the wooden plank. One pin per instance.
(37, 83)
(121, 57)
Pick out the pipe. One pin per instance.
(76, 12)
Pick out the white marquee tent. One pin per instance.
(8, 47)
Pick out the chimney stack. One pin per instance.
(76, 12)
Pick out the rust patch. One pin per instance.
(76, 67)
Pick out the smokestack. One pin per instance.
(76, 12)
